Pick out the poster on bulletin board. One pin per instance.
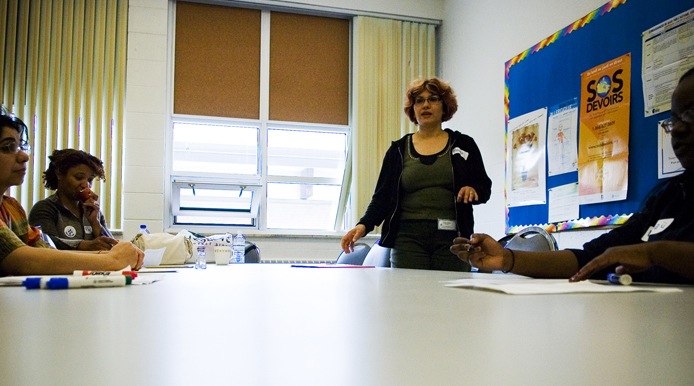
(526, 155)
(603, 151)
(600, 82)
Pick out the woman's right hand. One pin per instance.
(351, 237)
(480, 251)
(126, 253)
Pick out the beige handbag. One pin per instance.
(178, 247)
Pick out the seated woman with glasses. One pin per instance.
(428, 183)
(71, 216)
(655, 245)
(22, 252)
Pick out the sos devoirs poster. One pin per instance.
(603, 151)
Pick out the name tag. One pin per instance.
(446, 225)
(660, 226)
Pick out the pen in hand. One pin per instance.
(613, 278)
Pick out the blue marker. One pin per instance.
(77, 282)
(35, 282)
(613, 278)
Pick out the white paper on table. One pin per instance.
(153, 257)
(551, 286)
(147, 279)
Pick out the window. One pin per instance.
(305, 170)
(216, 178)
(220, 149)
(214, 203)
(260, 122)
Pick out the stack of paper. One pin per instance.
(516, 285)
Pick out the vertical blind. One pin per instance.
(63, 73)
(389, 54)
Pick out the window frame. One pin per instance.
(264, 124)
(184, 182)
(257, 184)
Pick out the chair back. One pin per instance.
(252, 254)
(504, 240)
(378, 256)
(355, 257)
(532, 239)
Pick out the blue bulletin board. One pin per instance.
(549, 73)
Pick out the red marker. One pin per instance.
(132, 274)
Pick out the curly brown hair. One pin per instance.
(62, 160)
(435, 86)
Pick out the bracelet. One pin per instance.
(513, 261)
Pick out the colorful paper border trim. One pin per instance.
(600, 221)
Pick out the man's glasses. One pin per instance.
(11, 148)
(432, 99)
(686, 117)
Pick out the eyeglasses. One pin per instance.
(11, 148)
(686, 117)
(432, 99)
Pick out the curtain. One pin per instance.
(389, 54)
(63, 73)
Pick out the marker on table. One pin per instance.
(35, 282)
(77, 282)
(613, 278)
(132, 274)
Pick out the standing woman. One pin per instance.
(428, 183)
(22, 252)
(71, 216)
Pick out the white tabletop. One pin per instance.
(266, 324)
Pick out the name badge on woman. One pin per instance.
(660, 226)
(446, 225)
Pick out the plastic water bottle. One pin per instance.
(144, 230)
(201, 259)
(238, 249)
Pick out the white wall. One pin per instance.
(477, 38)
(145, 116)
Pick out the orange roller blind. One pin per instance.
(217, 63)
(309, 69)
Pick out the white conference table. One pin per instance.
(268, 324)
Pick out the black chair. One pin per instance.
(378, 256)
(527, 239)
(355, 257)
(252, 253)
(504, 240)
(531, 239)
